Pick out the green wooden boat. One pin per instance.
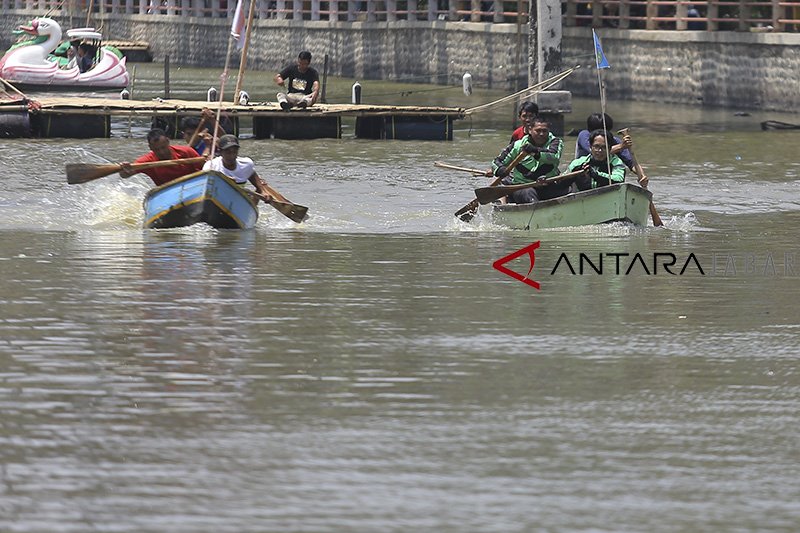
(624, 202)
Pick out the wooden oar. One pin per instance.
(489, 194)
(11, 86)
(293, 211)
(197, 131)
(637, 168)
(467, 212)
(83, 172)
(474, 171)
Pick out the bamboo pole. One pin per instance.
(166, 77)
(89, 12)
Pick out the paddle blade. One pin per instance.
(293, 211)
(83, 172)
(467, 212)
(654, 215)
(487, 195)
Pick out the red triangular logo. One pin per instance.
(530, 250)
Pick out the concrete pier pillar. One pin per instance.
(545, 36)
(544, 48)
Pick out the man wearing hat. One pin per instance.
(239, 169)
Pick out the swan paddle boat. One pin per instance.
(30, 62)
(621, 202)
(205, 196)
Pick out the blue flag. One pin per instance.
(599, 56)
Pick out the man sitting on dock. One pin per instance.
(543, 152)
(162, 150)
(303, 80)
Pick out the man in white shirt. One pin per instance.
(239, 169)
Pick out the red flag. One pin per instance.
(237, 27)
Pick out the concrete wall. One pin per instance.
(433, 52)
(732, 69)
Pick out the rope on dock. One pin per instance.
(527, 92)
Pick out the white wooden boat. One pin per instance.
(624, 202)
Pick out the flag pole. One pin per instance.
(243, 61)
(601, 62)
(222, 81)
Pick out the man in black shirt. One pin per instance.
(303, 83)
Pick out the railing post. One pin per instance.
(744, 14)
(433, 7)
(333, 9)
(411, 8)
(452, 9)
(315, 9)
(652, 12)
(713, 13)
(681, 12)
(569, 16)
(624, 14)
(370, 10)
(497, 10)
(391, 10)
(475, 7)
(297, 9)
(597, 11)
(777, 15)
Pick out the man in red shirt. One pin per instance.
(162, 150)
(527, 112)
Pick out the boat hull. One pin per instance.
(623, 202)
(203, 197)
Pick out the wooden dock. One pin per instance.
(74, 117)
(134, 51)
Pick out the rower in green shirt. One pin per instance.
(543, 151)
(596, 164)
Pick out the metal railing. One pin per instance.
(496, 11)
(710, 15)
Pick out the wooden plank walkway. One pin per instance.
(63, 105)
(74, 117)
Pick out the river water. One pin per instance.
(369, 370)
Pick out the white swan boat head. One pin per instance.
(29, 62)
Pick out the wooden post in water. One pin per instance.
(324, 80)
(166, 77)
(133, 81)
